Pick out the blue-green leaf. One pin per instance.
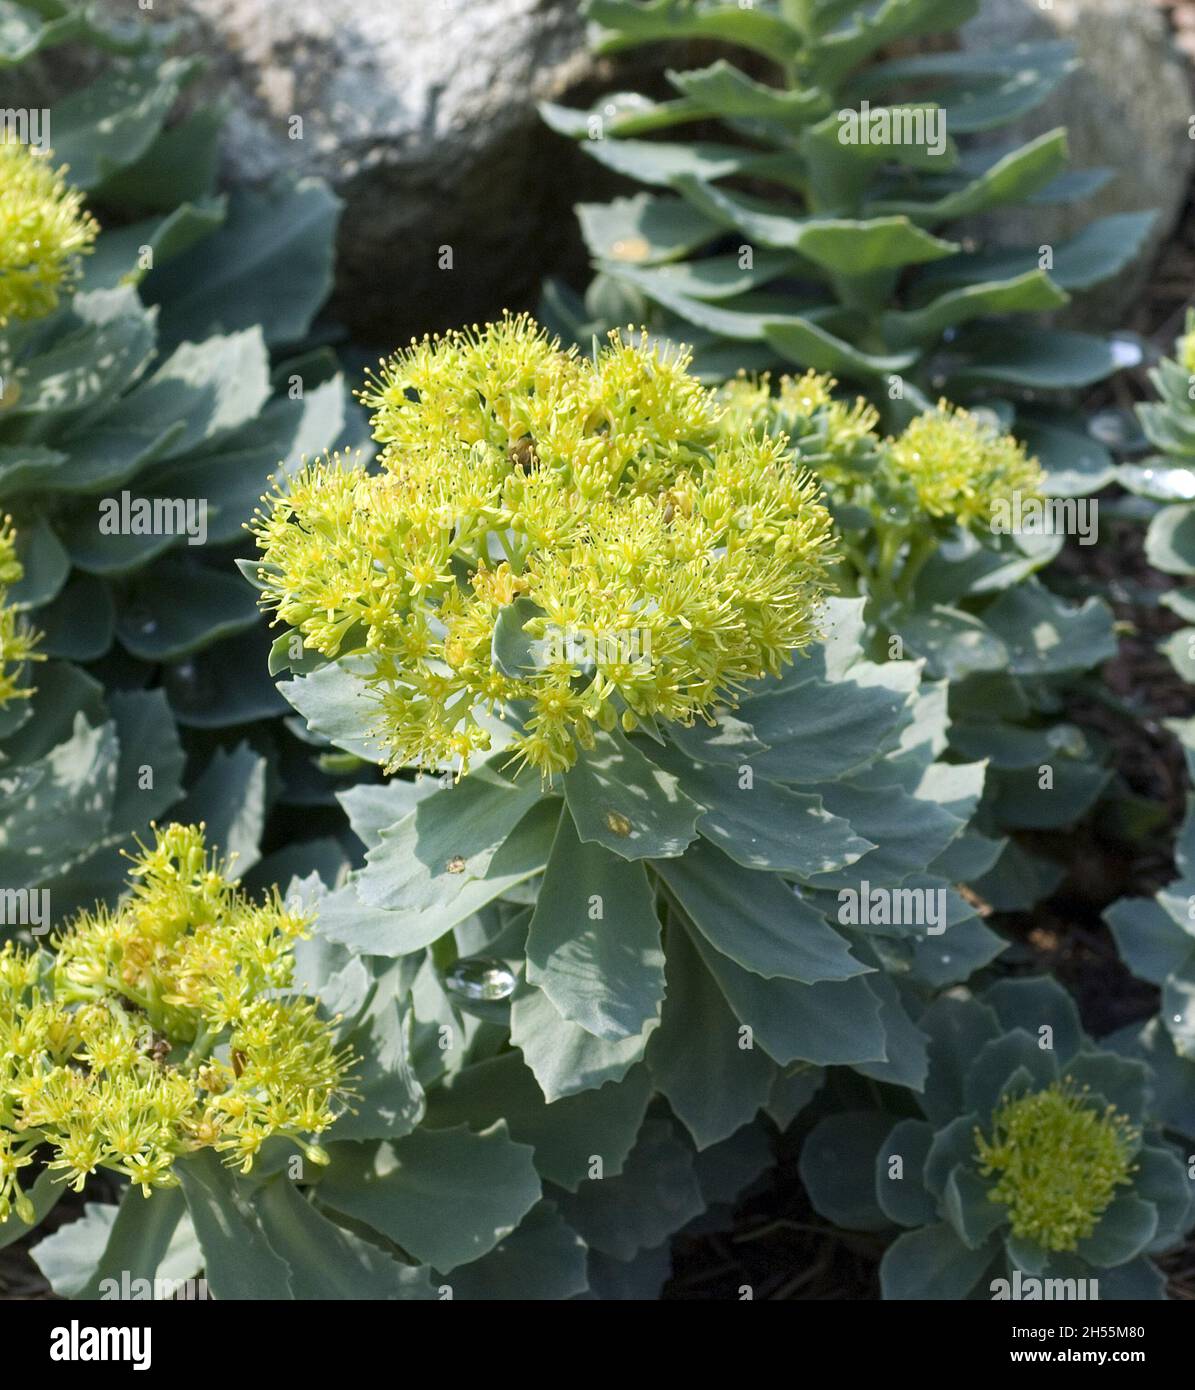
(594, 941)
(446, 1196)
(624, 802)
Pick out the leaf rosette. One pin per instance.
(1034, 1158)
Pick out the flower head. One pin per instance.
(43, 231)
(578, 540)
(835, 438)
(959, 465)
(161, 1028)
(947, 463)
(1058, 1160)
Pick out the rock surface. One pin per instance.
(422, 115)
(1126, 109)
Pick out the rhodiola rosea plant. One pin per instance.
(153, 375)
(1037, 1155)
(1168, 478)
(650, 892)
(178, 1044)
(817, 226)
(944, 529)
(817, 231)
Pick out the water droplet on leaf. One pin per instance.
(479, 980)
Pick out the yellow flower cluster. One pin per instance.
(158, 1029)
(662, 561)
(17, 640)
(947, 462)
(960, 466)
(43, 231)
(1059, 1161)
(836, 439)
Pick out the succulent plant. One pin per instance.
(936, 527)
(586, 505)
(1037, 1158)
(812, 231)
(147, 390)
(1168, 478)
(153, 1031)
(687, 889)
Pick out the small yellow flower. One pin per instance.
(834, 438)
(1058, 1161)
(43, 231)
(960, 466)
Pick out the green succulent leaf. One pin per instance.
(238, 1260)
(109, 125)
(838, 1167)
(565, 1134)
(183, 610)
(647, 229)
(594, 941)
(270, 264)
(757, 920)
(965, 1205)
(1007, 1065)
(1124, 1231)
(544, 1258)
(713, 1083)
(326, 1261)
(565, 1058)
(139, 1239)
(832, 1022)
(932, 1263)
(445, 1196)
(621, 800)
(625, 23)
(655, 1194)
(900, 1189)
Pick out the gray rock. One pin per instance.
(422, 115)
(1126, 109)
